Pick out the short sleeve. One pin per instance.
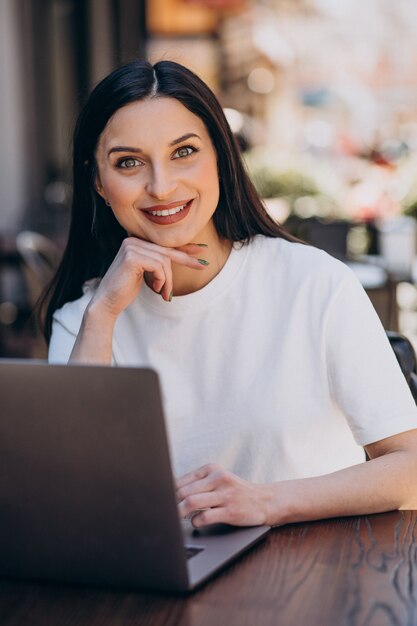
(364, 376)
(61, 344)
(66, 325)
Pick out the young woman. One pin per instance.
(275, 369)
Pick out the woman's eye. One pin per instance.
(128, 163)
(183, 152)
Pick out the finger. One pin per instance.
(159, 265)
(161, 274)
(197, 474)
(199, 502)
(192, 514)
(215, 515)
(205, 485)
(158, 278)
(167, 289)
(183, 258)
(176, 255)
(194, 249)
(163, 282)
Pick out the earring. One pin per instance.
(108, 203)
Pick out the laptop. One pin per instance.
(87, 494)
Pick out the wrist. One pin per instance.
(94, 340)
(97, 313)
(280, 505)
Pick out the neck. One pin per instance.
(187, 280)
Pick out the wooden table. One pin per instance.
(345, 572)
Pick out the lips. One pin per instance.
(168, 213)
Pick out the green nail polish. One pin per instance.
(203, 261)
(202, 245)
(170, 296)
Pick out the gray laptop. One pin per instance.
(86, 487)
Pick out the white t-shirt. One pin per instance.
(279, 368)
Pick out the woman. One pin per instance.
(275, 369)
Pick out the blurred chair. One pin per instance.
(329, 235)
(406, 357)
(381, 290)
(332, 236)
(40, 258)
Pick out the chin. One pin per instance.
(164, 242)
(171, 240)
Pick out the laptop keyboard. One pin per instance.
(191, 551)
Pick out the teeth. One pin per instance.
(168, 211)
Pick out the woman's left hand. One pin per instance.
(211, 495)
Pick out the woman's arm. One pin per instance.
(387, 482)
(95, 338)
(118, 289)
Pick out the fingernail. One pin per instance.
(203, 262)
(170, 296)
(202, 245)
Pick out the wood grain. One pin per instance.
(357, 571)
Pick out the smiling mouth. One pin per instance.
(168, 214)
(164, 212)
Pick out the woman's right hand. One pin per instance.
(124, 278)
(120, 286)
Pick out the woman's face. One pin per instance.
(157, 168)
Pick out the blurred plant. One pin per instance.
(285, 177)
(407, 185)
(289, 184)
(410, 207)
(409, 200)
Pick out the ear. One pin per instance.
(98, 187)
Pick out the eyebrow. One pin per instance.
(172, 143)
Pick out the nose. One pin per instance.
(161, 182)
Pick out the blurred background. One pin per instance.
(321, 95)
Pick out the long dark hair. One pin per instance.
(95, 235)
